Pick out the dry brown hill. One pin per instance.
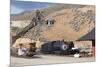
(28, 15)
(71, 22)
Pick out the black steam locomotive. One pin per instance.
(59, 47)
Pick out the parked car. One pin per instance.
(60, 47)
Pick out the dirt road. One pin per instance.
(47, 59)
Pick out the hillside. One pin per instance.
(28, 15)
(71, 22)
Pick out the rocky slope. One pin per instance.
(71, 22)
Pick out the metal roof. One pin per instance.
(89, 36)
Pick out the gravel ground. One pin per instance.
(47, 59)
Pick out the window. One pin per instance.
(50, 22)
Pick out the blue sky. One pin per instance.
(20, 6)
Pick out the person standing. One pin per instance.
(21, 50)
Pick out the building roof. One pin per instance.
(89, 36)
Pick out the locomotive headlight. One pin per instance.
(64, 47)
